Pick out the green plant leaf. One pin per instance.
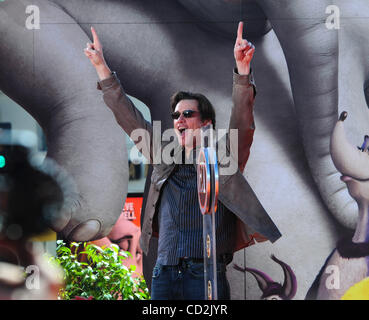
(103, 276)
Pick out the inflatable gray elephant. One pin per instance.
(304, 73)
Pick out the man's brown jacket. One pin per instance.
(235, 193)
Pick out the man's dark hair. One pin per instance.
(206, 109)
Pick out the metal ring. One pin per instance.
(204, 181)
(208, 246)
(214, 180)
(210, 295)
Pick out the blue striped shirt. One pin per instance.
(180, 220)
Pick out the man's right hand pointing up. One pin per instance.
(95, 53)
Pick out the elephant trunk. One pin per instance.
(311, 51)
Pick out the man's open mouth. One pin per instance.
(182, 131)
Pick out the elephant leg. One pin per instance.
(46, 72)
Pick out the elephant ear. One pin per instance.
(289, 287)
(263, 280)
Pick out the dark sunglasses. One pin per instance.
(186, 114)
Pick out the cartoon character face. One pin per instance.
(351, 162)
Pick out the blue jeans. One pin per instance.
(185, 281)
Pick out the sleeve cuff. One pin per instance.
(108, 82)
(246, 80)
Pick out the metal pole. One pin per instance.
(208, 189)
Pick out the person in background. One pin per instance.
(30, 197)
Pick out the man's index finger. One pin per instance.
(94, 36)
(240, 30)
